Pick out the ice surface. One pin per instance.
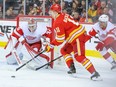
(56, 77)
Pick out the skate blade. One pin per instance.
(74, 75)
(113, 69)
(97, 79)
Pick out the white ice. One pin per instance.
(56, 77)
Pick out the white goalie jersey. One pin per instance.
(27, 41)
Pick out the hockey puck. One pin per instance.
(12, 76)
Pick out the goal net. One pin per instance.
(42, 23)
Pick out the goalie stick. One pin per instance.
(29, 60)
(7, 35)
(48, 63)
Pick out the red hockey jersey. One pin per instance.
(66, 28)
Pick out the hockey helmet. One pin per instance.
(103, 18)
(32, 25)
(56, 7)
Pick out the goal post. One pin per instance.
(42, 23)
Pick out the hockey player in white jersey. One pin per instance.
(107, 35)
(31, 42)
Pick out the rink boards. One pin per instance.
(8, 26)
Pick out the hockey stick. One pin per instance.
(48, 63)
(7, 36)
(113, 50)
(30, 60)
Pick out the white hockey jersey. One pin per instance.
(102, 34)
(31, 37)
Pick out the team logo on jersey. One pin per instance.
(57, 29)
(30, 37)
(103, 35)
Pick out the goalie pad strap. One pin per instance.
(8, 55)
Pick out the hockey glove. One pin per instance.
(87, 37)
(48, 48)
(100, 46)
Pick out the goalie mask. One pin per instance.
(32, 25)
(103, 19)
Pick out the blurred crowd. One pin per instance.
(76, 8)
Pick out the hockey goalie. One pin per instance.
(107, 35)
(26, 42)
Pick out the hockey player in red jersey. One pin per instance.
(31, 41)
(73, 33)
(107, 35)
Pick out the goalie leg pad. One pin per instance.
(13, 58)
(12, 50)
(29, 53)
(45, 56)
(31, 49)
(12, 43)
(10, 59)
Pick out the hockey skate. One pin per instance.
(113, 65)
(96, 77)
(72, 69)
